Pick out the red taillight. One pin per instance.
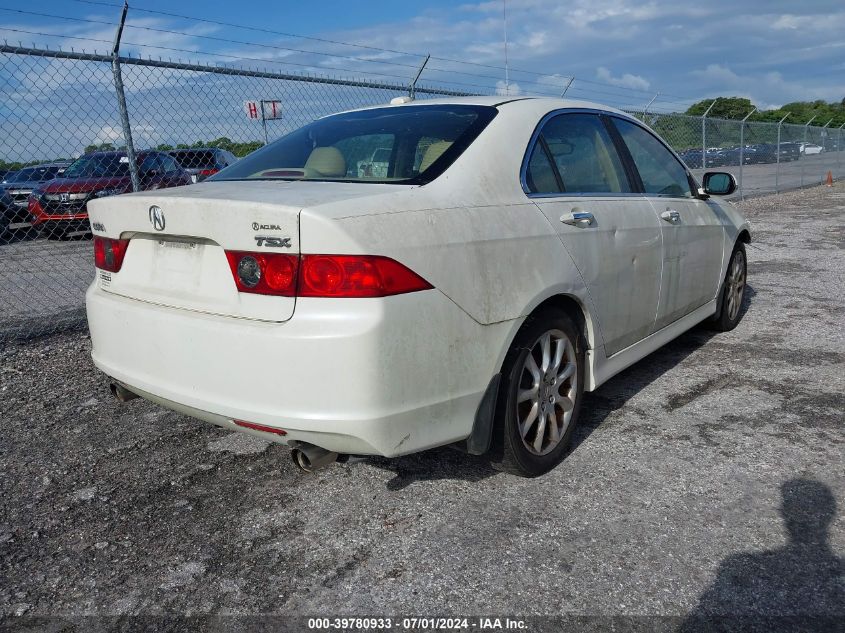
(109, 253)
(260, 427)
(205, 173)
(356, 276)
(264, 273)
(322, 275)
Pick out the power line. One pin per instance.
(360, 46)
(243, 43)
(614, 93)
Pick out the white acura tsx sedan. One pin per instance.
(500, 258)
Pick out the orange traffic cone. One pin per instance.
(829, 181)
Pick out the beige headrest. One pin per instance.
(326, 161)
(432, 153)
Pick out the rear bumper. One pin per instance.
(362, 376)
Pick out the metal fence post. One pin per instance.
(742, 151)
(806, 127)
(777, 167)
(648, 105)
(704, 134)
(839, 149)
(412, 87)
(121, 102)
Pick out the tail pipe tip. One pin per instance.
(310, 458)
(121, 393)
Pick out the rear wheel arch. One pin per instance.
(575, 309)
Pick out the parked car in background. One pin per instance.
(7, 214)
(517, 253)
(790, 152)
(376, 165)
(4, 173)
(21, 183)
(811, 148)
(60, 206)
(200, 163)
(715, 157)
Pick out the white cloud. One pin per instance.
(634, 82)
(510, 89)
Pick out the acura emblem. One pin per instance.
(157, 218)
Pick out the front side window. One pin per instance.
(574, 153)
(659, 170)
(403, 145)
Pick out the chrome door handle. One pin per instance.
(579, 219)
(670, 215)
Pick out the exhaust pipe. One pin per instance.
(310, 458)
(121, 393)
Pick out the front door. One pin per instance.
(693, 233)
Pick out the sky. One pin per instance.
(620, 52)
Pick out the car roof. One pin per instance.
(119, 153)
(194, 149)
(506, 102)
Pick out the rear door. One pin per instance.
(693, 232)
(576, 177)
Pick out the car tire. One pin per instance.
(540, 396)
(732, 292)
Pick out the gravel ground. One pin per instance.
(707, 480)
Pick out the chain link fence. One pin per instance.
(186, 122)
(182, 122)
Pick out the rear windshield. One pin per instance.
(403, 145)
(98, 166)
(194, 159)
(35, 174)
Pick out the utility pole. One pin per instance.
(121, 101)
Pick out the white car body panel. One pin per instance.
(399, 374)
(619, 257)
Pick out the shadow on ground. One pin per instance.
(801, 582)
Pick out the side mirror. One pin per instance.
(719, 183)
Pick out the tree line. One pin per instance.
(799, 111)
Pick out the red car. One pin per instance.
(59, 206)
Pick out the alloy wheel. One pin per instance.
(546, 392)
(736, 284)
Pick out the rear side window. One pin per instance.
(574, 153)
(659, 170)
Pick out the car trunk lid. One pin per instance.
(179, 237)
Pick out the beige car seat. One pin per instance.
(325, 162)
(432, 153)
